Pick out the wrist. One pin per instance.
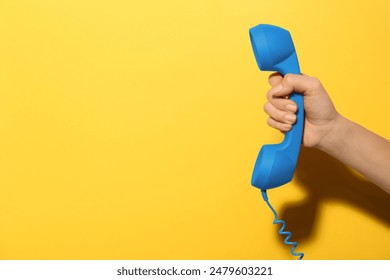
(334, 136)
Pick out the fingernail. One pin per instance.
(291, 107)
(275, 89)
(290, 118)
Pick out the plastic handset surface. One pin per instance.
(274, 51)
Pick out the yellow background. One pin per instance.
(129, 130)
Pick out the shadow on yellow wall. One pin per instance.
(325, 179)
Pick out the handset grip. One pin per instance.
(293, 138)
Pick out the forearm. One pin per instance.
(361, 149)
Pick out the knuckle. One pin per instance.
(289, 78)
(266, 107)
(315, 83)
(269, 95)
(270, 122)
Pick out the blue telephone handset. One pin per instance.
(275, 165)
(274, 51)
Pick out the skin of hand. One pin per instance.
(327, 130)
(320, 113)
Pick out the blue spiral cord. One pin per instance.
(281, 231)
